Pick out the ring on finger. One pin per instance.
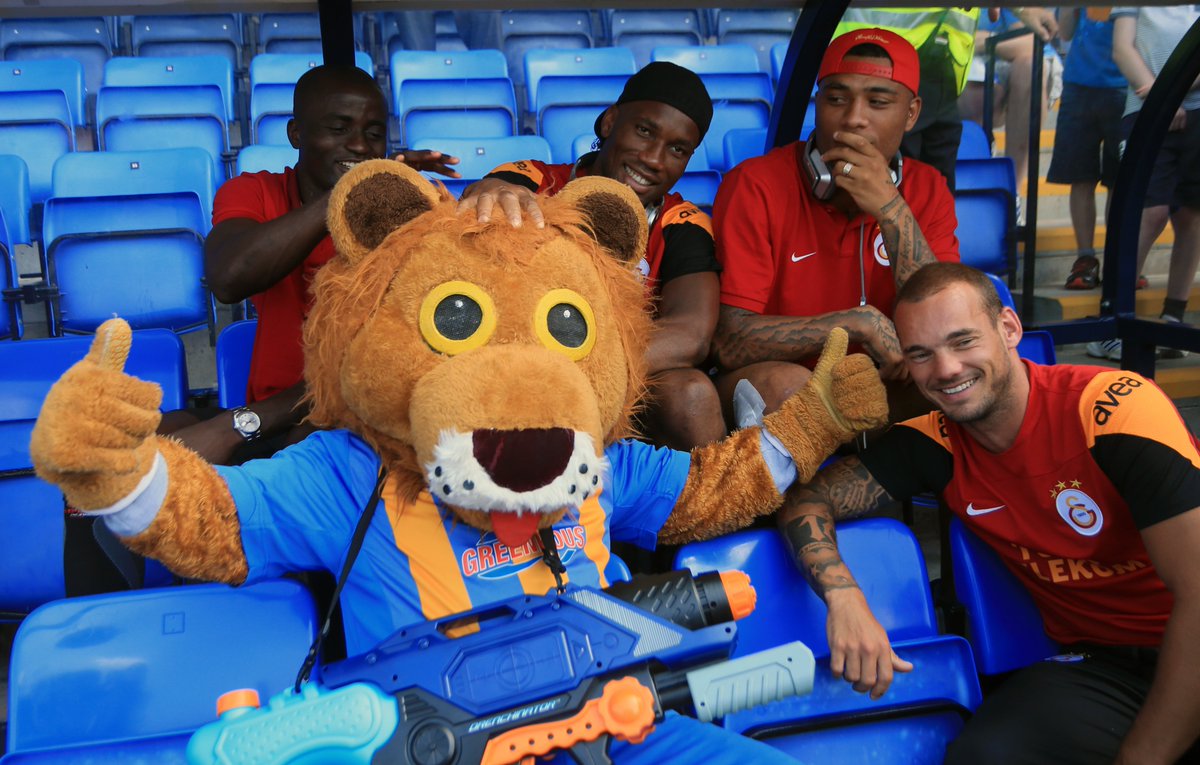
(846, 168)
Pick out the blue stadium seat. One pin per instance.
(1037, 345)
(272, 79)
(14, 198)
(709, 59)
(1005, 628)
(699, 187)
(87, 40)
(235, 345)
(194, 34)
(974, 143)
(466, 94)
(41, 106)
(778, 54)
(742, 144)
(10, 310)
(641, 30)
(257, 157)
(175, 71)
(526, 30)
(616, 63)
(126, 677)
(582, 144)
(164, 117)
(289, 33)
(31, 563)
(729, 115)
(479, 156)
(570, 108)
(760, 28)
(124, 234)
(921, 711)
(985, 173)
(986, 222)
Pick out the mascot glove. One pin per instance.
(843, 396)
(94, 437)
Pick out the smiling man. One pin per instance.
(645, 141)
(269, 238)
(820, 234)
(1085, 482)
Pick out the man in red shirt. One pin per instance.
(645, 141)
(1084, 481)
(269, 238)
(820, 234)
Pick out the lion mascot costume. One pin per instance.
(481, 380)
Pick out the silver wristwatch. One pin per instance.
(247, 423)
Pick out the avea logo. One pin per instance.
(491, 559)
(1107, 403)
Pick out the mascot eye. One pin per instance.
(457, 316)
(564, 322)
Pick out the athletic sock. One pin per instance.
(1173, 310)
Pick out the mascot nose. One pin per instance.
(523, 460)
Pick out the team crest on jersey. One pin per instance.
(881, 253)
(1077, 508)
(490, 559)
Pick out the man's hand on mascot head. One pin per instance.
(849, 386)
(94, 435)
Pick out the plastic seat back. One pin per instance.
(760, 28)
(600, 63)
(14, 198)
(698, 187)
(63, 74)
(10, 310)
(974, 143)
(778, 54)
(35, 125)
(175, 72)
(986, 221)
(289, 33)
(235, 346)
(131, 667)
(1005, 628)
(641, 30)
(32, 574)
(256, 158)
(83, 39)
(164, 117)
(710, 59)
(728, 115)
(569, 106)
(525, 30)
(985, 174)
(188, 35)
(272, 79)
(742, 144)
(153, 171)
(473, 108)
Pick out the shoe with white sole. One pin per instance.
(1105, 349)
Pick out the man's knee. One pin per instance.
(775, 381)
(684, 410)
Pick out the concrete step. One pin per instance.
(1056, 304)
(1056, 235)
(1179, 378)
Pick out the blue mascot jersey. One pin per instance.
(418, 561)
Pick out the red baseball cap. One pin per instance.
(905, 69)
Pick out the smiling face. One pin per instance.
(340, 121)
(960, 356)
(876, 108)
(646, 145)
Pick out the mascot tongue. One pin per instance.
(514, 530)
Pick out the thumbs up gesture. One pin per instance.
(94, 436)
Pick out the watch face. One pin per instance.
(246, 422)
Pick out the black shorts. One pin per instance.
(1088, 137)
(1175, 181)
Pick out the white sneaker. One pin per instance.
(1105, 349)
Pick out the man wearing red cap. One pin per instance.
(821, 234)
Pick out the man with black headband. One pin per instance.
(645, 140)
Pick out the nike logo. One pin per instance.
(972, 510)
(797, 258)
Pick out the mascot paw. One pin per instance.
(858, 394)
(94, 435)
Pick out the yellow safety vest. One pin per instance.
(954, 27)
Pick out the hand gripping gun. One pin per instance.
(530, 675)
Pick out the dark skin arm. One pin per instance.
(687, 317)
(859, 647)
(215, 439)
(744, 337)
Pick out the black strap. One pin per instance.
(551, 558)
(360, 533)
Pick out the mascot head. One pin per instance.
(487, 363)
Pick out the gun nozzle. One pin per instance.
(242, 698)
(739, 591)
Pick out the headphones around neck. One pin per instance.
(821, 179)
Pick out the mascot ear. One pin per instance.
(373, 200)
(615, 214)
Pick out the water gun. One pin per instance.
(520, 678)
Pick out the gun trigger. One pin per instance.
(624, 710)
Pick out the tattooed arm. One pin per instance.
(744, 337)
(859, 647)
(903, 238)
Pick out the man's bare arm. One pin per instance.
(744, 337)
(687, 317)
(860, 650)
(902, 238)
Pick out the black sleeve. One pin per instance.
(516, 178)
(1156, 481)
(906, 462)
(687, 249)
